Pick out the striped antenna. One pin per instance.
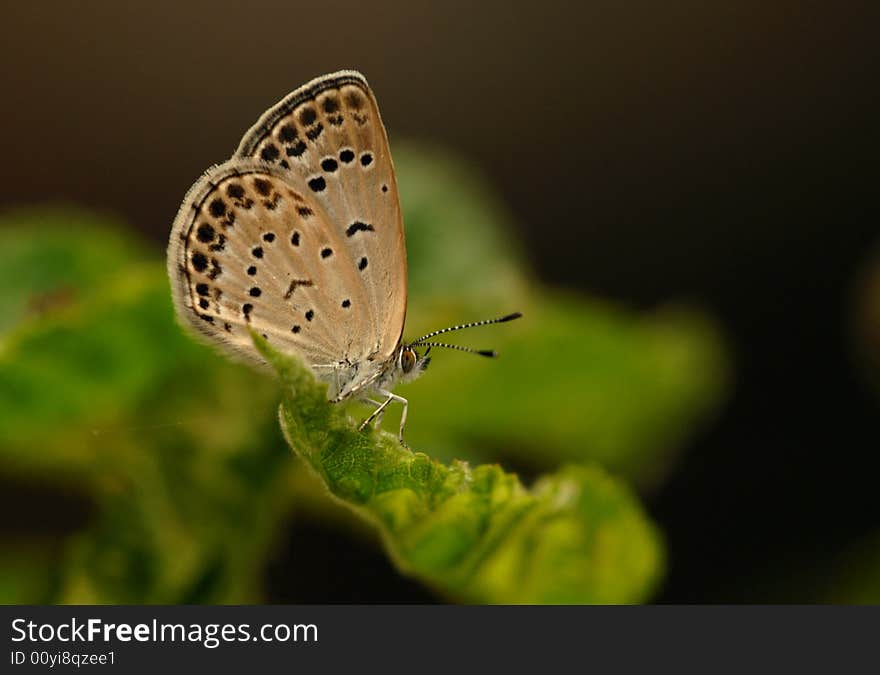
(486, 322)
(482, 352)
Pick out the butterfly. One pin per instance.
(299, 237)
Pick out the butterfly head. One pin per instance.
(410, 365)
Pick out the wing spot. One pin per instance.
(202, 289)
(346, 303)
(270, 153)
(295, 284)
(235, 191)
(330, 105)
(217, 208)
(296, 150)
(246, 309)
(358, 226)
(354, 100)
(257, 251)
(326, 252)
(255, 292)
(200, 262)
(203, 303)
(269, 237)
(384, 187)
(294, 239)
(313, 133)
(310, 315)
(329, 164)
(307, 116)
(295, 329)
(205, 233)
(366, 159)
(216, 270)
(220, 245)
(263, 186)
(362, 265)
(305, 211)
(287, 133)
(318, 184)
(346, 156)
(252, 270)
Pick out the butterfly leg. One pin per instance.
(377, 413)
(378, 417)
(405, 404)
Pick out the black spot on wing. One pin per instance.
(220, 245)
(205, 233)
(354, 100)
(297, 149)
(358, 226)
(199, 262)
(307, 116)
(216, 270)
(217, 208)
(287, 133)
(263, 186)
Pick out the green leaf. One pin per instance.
(475, 534)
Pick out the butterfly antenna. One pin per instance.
(482, 352)
(474, 324)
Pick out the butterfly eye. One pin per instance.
(407, 360)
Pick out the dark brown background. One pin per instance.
(719, 152)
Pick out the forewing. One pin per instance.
(329, 139)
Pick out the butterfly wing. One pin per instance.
(303, 243)
(329, 138)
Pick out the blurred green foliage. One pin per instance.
(179, 450)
